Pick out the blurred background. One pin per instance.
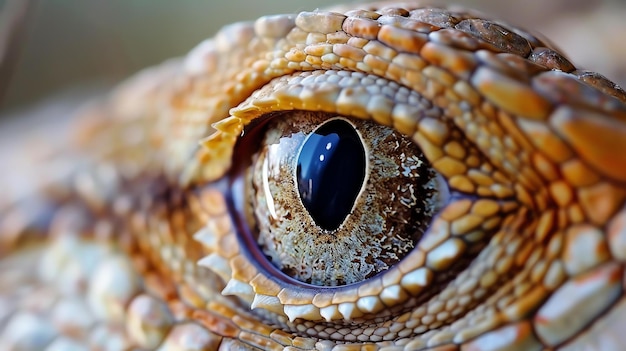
(52, 49)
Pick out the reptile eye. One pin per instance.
(406, 224)
(333, 201)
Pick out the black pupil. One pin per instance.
(330, 172)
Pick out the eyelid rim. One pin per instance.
(237, 259)
(366, 96)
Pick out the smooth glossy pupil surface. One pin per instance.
(330, 172)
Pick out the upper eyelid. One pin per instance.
(388, 104)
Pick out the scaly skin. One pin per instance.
(129, 241)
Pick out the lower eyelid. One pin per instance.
(410, 278)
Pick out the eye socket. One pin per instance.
(452, 238)
(334, 201)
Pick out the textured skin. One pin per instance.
(128, 240)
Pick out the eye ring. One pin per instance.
(382, 297)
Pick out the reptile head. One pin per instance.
(369, 177)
